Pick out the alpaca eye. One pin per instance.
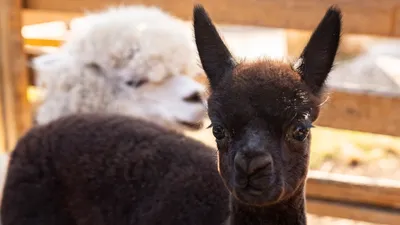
(137, 84)
(218, 132)
(130, 83)
(141, 82)
(300, 132)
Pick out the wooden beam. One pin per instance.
(365, 17)
(356, 212)
(35, 16)
(396, 25)
(356, 189)
(353, 197)
(13, 73)
(358, 110)
(78, 5)
(3, 141)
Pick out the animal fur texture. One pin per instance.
(132, 60)
(111, 169)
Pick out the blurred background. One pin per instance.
(355, 159)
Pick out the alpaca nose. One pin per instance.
(252, 165)
(195, 97)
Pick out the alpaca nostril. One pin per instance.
(240, 163)
(259, 163)
(250, 166)
(194, 98)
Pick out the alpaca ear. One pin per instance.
(318, 56)
(215, 57)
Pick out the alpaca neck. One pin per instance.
(287, 212)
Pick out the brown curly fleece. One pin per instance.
(114, 170)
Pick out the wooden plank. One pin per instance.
(355, 189)
(368, 17)
(42, 42)
(35, 16)
(362, 111)
(3, 142)
(396, 23)
(13, 72)
(38, 50)
(77, 5)
(353, 211)
(353, 197)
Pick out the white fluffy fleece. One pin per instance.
(108, 53)
(141, 40)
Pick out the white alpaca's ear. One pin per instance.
(215, 57)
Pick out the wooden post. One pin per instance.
(16, 113)
(3, 144)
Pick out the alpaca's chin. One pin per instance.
(256, 197)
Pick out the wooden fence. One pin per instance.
(353, 197)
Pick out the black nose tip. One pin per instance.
(250, 166)
(194, 98)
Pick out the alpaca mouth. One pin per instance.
(191, 125)
(253, 196)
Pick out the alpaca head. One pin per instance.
(145, 58)
(174, 102)
(262, 112)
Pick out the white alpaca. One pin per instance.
(133, 60)
(136, 60)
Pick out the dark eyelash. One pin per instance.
(209, 126)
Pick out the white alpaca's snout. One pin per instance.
(180, 99)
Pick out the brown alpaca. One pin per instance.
(261, 114)
(93, 169)
(104, 169)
